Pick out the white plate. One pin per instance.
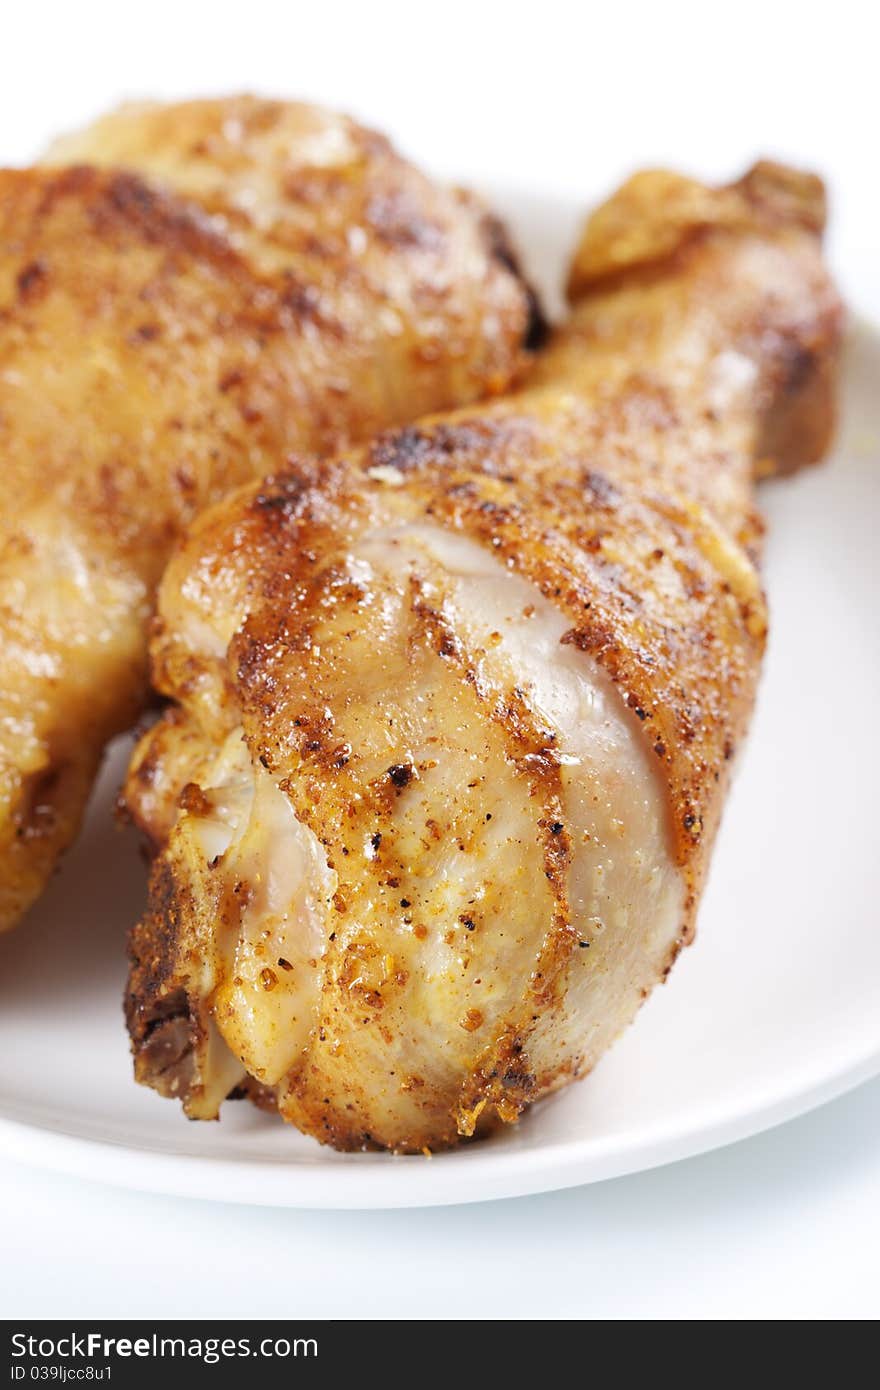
(775, 1009)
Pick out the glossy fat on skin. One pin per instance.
(625, 891)
(187, 293)
(275, 892)
(499, 665)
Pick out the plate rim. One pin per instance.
(373, 1180)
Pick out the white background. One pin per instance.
(561, 100)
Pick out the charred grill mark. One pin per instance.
(125, 203)
(32, 281)
(401, 774)
(162, 1022)
(599, 490)
(283, 493)
(397, 221)
(404, 449)
(501, 249)
(305, 302)
(442, 447)
(153, 951)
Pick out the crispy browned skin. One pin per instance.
(419, 861)
(237, 279)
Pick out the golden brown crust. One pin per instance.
(619, 487)
(203, 289)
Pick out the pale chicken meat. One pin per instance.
(188, 293)
(453, 715)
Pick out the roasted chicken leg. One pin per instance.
(454, 715)
(186, 294)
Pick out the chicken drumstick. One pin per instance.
(455, 713)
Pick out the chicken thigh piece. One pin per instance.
(186, 294)
(454, 714)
